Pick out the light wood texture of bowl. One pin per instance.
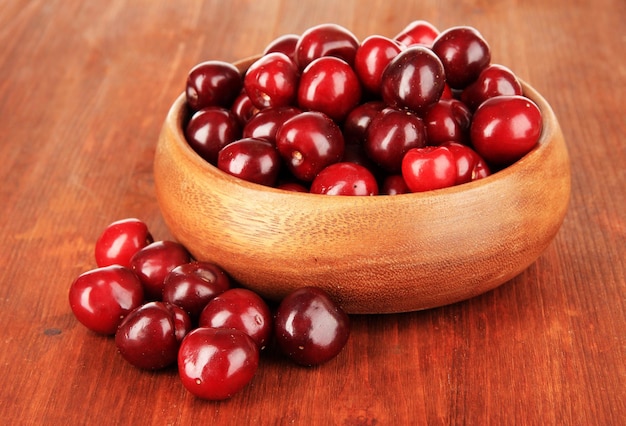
(380, 254)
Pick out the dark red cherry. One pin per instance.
(251, 159)
(212, 83)
(265, 124)
(414, 79)
(345, 179)
(243, 108)
(120, 240)
(469, 165)
(447, 120)
(329, 85)
(211, 129)
(272, 81)
(192, 285)
(326, 40)
(285, 43)
(391, 134)
(372, 57)
(417, 32)
(495, 80)
(464, 53)
(394, 185)
(309, 142)
(358, 120)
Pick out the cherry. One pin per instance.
(469, 165)
(272, 81)
(447, 120)
(309, 142)
(211, 129)
(391, 134)
(371, 59)
(309, 327)
(216, 363)
(243, 108)
(394, 185)
(149, 337)
(102, 297)
(358, 120)
(120, 240)
(241, 309)
(345, 179)
(329, 85)
(265, 124)
(428, 168)
(414, 79)
(285, 43)
(153, 262)
(293, 187)
(212, 83)
(494, 80)
(417, 32)
(192, 285)
(505, 128)
(251, 159)
(326, 40)
(464, 53)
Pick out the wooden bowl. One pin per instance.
(379, 254)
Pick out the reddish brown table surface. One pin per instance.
(84, 88)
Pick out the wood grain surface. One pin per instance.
(84, 89)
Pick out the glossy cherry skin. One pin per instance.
(216, 363)
(251, 159)
(494, 80)
(309, 142)
(358, 120)
(193, 285)
(272, 81)
(371, 59)
(149, 337)
(212, 83)
(243, 310)
(414, 79)
(329, 85)
(464, 53)
(447, 120)
(391, 134)
(310, 328)
(428, 168)
(505, 128)
(211, 129)
(285, 43)
(416, 33)
(102, 297)
(345, 179)
(265, 124)
(243, 108)
(394, 185)
(326, 40)
(469, 165)
(120, 240)
(153, 262)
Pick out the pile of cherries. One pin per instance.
(165, 308)
(325, 113)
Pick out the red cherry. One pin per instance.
(285, 43)
(216, 363)
(241, 309)
(417, 32)
(464, 53)
(394, 185)
(212, 83)
(251, 159)
(329, 85)
(447, 120)
(309, 142)
(358, 120)
(272, 81)
(153, 262)
(265, 124)
(149, 337)
(102, 297)
(414, 79)
(193, 285)
(243, 108)
(428, 168)
(495, 80)
(372, 57)
(345, 179)
(505, 128)
(326, 40)
(292, 186)
(211, 129)
(469, 165)
(120, 240)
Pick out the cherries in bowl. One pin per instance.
(372, 254)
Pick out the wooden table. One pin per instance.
(84, 88)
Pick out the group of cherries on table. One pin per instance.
(321, 113)
(325, 113)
